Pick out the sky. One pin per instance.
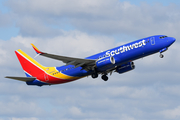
(80, 29)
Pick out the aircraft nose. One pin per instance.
(172, 40)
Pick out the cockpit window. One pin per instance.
(162, 37)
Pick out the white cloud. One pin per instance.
(148, 92)
(171, 113)
(125, 96)
(172, 90)
(24, 118)
(75, 111)
(110, 17)
(73, 43)
(126, 117)
(17, 107)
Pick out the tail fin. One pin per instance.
(29, 65)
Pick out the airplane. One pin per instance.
(119, 59)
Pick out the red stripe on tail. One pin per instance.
(29, 67)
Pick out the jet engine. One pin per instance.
(105, 62)
(125, 67)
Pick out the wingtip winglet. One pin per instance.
(36, 49)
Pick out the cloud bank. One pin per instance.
(79, 29)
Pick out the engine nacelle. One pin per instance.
(105, 62)
(125, 67)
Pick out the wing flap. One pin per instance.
(25, 79)
(67, 60)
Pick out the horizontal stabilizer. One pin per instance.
(25, 79)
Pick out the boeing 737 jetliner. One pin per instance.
(119, 59)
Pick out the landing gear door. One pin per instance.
(152, 39)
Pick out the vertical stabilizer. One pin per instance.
(29, 65)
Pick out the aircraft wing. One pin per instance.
(77, 62)
(25, 79)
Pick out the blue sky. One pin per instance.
(79, 29)
(12, 29)
(8, 31)
(3, 8)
